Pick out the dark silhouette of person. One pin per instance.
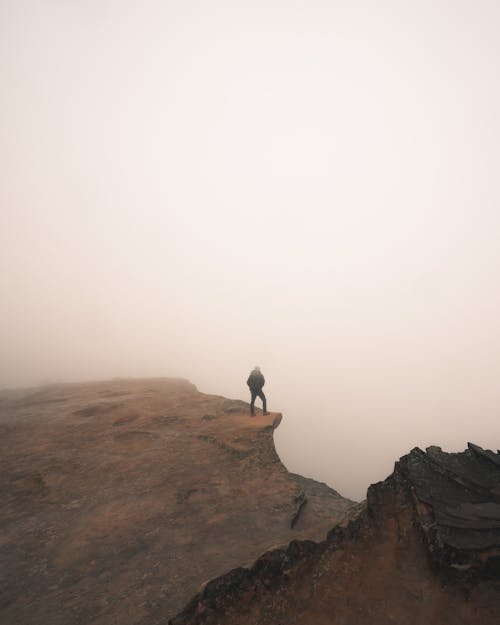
(255, 383)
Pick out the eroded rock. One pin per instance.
(424, 550)
(119, 499)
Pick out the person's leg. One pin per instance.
(252, 402)
(264, 403)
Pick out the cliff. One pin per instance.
(132, 501)
(425, 550)
(120, 499)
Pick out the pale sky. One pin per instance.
(192, 188)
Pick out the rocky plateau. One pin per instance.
(120, 499)
(145, 502)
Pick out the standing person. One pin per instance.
(255, 383)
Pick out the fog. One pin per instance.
(193, 188)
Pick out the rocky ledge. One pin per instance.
(120, 499)
(424, 550)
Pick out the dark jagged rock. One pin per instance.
(458, 505)
(424, 550)
(119, 499)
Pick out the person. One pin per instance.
(255, 383)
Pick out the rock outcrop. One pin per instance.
(119, 499)
(122, 499)
(424, 550)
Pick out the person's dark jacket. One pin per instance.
(256, 380)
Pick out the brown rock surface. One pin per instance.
(425, 550)
(120, 498)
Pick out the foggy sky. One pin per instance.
(193, 188)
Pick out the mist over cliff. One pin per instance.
(311, 187)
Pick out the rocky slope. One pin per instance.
(425, 550)
(119, 499)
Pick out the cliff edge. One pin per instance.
(120, 499)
